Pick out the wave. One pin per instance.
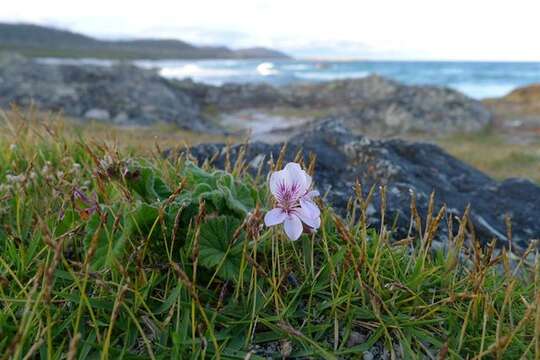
(196, 71)
(267, 69)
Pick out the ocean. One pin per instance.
(476, 79)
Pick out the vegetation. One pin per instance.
(106, 253)
(497, 154)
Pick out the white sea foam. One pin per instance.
(197, 72)
(267, 69)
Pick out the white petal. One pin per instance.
(292, 166)
(309, 180)
(293, 227)
(311, 221)
(274, 217)
(297, 176)
(278, 178)
(310, 207)
(313, 193)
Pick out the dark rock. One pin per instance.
(230, 97)
(403, 167)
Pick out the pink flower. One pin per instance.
(295, 207)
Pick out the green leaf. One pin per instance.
(149, 186)
(216, 251)
(220, 190)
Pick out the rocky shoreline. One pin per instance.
(125, 94)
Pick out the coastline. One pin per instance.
(477, 79)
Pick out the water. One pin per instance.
(476, 79)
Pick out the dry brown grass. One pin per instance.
(498, 155)
(139, 139)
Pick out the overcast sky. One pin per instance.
(376, 29)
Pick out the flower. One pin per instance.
(295, 207)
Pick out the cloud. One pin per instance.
(413, 29)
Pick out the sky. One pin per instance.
(500, 30)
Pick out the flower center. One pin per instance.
(288, 196)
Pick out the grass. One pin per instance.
(140, 139)
(107, 252)
(496, 154)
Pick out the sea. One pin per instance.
(476, 79)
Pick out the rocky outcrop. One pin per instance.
(404, 168)
(519, 109)
(372, 105)
(234, 97)
(383, 107)
(122, 93)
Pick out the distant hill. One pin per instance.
(40, 41)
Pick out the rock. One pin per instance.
(230, 97)
(122, 92)
(382, 107)
(97, 114)
(347, 92)
(415, 109)
(403, 167)
(529, 94)
(368, 356)
(373, 105)
(519, 109)
(356, 338)
(121, 118)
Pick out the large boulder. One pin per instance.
(343, 93)
(403, 168)
(85, 91)
(416, 109)
(381, 107)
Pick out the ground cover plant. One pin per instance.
(105, 253)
